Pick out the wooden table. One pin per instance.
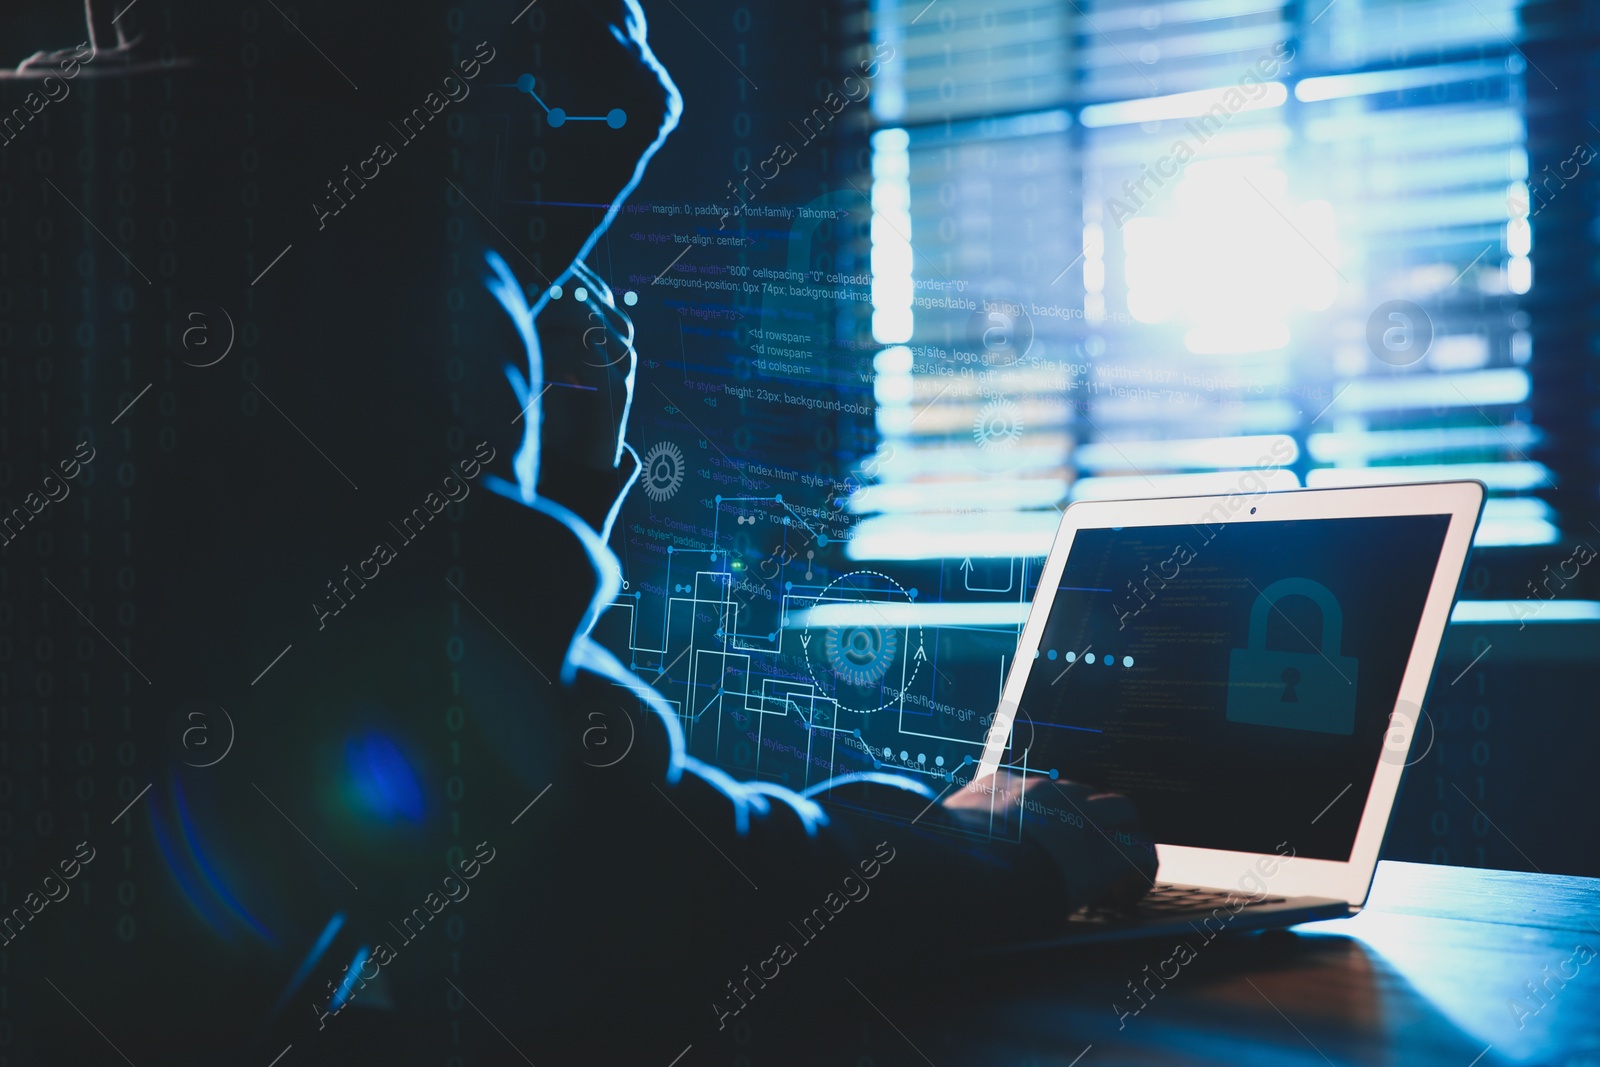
(1436, 970)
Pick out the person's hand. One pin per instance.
(589, 363)
(1092, 836)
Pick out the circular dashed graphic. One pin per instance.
(855, 657)
(662, 471)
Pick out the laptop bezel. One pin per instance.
(1299, 876)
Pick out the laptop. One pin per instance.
(1250, 670)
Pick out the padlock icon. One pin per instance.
(1295, 690)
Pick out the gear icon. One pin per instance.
(662, 471)
(860, 655)
(998, 425)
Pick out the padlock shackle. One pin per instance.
(1327, 603)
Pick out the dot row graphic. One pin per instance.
(580, 294)
(938, 761)
(1108, 658)
(922, 757)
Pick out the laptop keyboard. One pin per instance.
(1166, 899)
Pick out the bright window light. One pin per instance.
(1183, 105)
(1519, 274)
(1232, 258)
(892, 289)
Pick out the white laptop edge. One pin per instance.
(1299, 876)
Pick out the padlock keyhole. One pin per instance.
(1291, 678)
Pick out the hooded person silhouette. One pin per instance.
(566, 877)
(681, 890)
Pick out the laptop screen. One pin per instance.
(1236, 681)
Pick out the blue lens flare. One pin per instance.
(381, 782)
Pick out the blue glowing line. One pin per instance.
(878, 777)
(570, 385)
(176, 867)
(710, 702)
(530, 92)
(525, 464)
(343, 992)
(798, 519)
(211, 878)
(312, 958)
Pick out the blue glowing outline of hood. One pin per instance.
(583, 652)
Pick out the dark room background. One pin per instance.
(874, 373)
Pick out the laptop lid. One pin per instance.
(1247, 668)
